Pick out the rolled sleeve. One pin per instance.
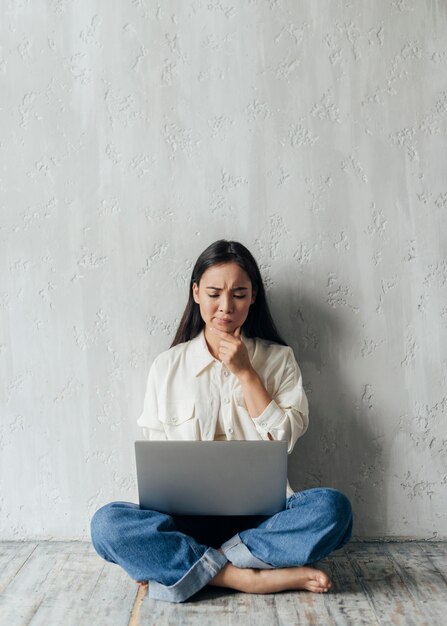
(270, 417)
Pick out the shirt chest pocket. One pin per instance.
(179, 419)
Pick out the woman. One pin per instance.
(227, 375)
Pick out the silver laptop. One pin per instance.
(212, 477)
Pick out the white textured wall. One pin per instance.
(135, 133)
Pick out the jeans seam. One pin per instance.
(272, 521)
(193, 546)
(232, 545)
(298, 495)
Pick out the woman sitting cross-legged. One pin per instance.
(228, 361)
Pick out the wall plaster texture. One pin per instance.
(135, 133)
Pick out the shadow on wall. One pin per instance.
(339, 449)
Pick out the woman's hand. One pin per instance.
(233, 352)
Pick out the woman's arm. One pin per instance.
(256, 396)
(287, 415)
(233, 353)
(284, 417)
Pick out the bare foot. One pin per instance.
(251, 580)
(279, 579)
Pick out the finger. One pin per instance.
(237, 332)
(218, 331)
(228, 338)
(224, 353)
(226, 344)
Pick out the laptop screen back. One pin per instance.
(212, 477)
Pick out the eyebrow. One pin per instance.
(220, 289)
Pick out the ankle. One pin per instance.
(232, 577)
(247, 579)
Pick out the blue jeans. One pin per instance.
(151, 546)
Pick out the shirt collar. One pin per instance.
(201, 357)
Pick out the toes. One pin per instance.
(319, 586)
(323, 580)
(318, 589)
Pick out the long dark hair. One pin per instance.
(259, 322)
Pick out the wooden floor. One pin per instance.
(67, 583)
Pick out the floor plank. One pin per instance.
(212, 606)
(66, 582)
(347, 603)
(436, 551)
(13, 555)
(423, 580)
(53, 583)
(384, 586)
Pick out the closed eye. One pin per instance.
(216, 296)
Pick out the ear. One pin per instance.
(195, 292)
(253, 297)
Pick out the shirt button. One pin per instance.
(226, 373)
(227, 401)
(174, 420)
(230, 431)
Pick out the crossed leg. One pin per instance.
(316, 522)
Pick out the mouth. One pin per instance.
(222, 321)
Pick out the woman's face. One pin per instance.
(224, 295)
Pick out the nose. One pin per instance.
(225, 304)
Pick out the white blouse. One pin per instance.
(190, 395)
